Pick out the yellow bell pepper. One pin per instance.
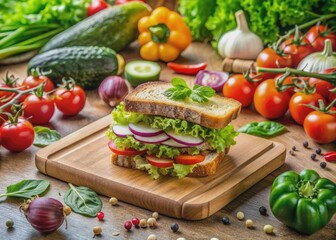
(163, 35)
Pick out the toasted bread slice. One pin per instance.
(207, 167)
(148, 98)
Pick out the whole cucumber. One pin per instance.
(88, 66)
(114, 27)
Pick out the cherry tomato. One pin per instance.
(237, 87)
(17, 137)
(317, 36)
(33, 81)
(322, 87)
(332, 97)
(296, 108)
(268, 58)
(96, 6)
(297, 51)
(160, 162)
(288, 80)
(4, 117)
(189, 159)
(124, 152)
(39, 110)
(321, 127)
(118, 2)
(269, 102)
(70, 101)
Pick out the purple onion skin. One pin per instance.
(222, 78)
(45, 214)
(112, 90)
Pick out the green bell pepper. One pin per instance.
(305, 202)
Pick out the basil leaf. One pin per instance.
(45, 136)
(177, 94)
(179, 83)
(83, 200)
(206, 91)
(26, 188)
(263, 129)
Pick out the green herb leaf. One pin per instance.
(26, 188)
(83, 200)
(202, 93)
(179, 83)
(263, 129)
(45, 136)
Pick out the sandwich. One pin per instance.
(154, 133)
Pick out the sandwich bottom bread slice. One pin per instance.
(153, 133)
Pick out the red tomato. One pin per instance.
(123, 152)
(17, 137)
(33, 81)
(296, 108)
(118, 2)
(317, 36)
(39, 110)
(4, 117)
(269, 102)
(288, 80)
(189, 159)
(237, 87)
(321, 127)
(322, 87)
(70, 101)
(268, 58)
(96, 6)
(332, 97)
(297, 51)
(160, 162)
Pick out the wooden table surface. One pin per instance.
(16, 167)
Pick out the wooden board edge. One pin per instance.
(196, 209)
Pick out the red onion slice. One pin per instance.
(188, 140)
(121, 131)
(213, 79)
(144, 130)
(152, 140)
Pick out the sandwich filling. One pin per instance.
(163, 145)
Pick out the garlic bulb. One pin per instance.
(240, 43)
(319, 61)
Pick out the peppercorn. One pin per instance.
(155, 215)
(318, 150)
(135, 222)
(97, 230)
(263, 211)
(174, 227)
(151, 222)
(67, 210)
(143, 223)
(294, 148)
(226, 220)
(305, 144)
(100, 216)
(9, 223)
(152, 237)
(240, 215)
(249, 223)
(291, 153)
(313, 156)
(113, 201)
(128, 225)
(323, 164)
(268, 229)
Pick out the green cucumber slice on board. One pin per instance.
(137, 72)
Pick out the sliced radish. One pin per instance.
(121, 131)
(143, 130)
(188, 140)
(160, 162)
(173, 143)
(155, 139)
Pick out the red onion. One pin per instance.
(113, 90)
(44, 214)
(213, 79)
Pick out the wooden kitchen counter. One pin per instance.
(19, 166)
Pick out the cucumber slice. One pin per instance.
(137, 72)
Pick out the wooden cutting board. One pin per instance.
(83, 158)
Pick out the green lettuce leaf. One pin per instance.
(181, 170)
(121, 116)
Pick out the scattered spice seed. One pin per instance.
(100, 216)
(128, 225)
(67, 210)
(249, 223)
(174, 227)
(291, 153)
(97, 231)
(116, 234)
(305, 144)
(240, 215)
(143, 223)
(313, 156)
(155, 215)
(135, 222)
(318, 151)
(294, 148)
(263, 211)
(152, 222)
(226, 220)
(323, 164)
(268, 229)
(214, 238)
(9, 223)
(152, 237)
(113, 201)
(181, 238)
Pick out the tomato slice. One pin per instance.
(160, 162)
(189, 159)
(124, 152)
